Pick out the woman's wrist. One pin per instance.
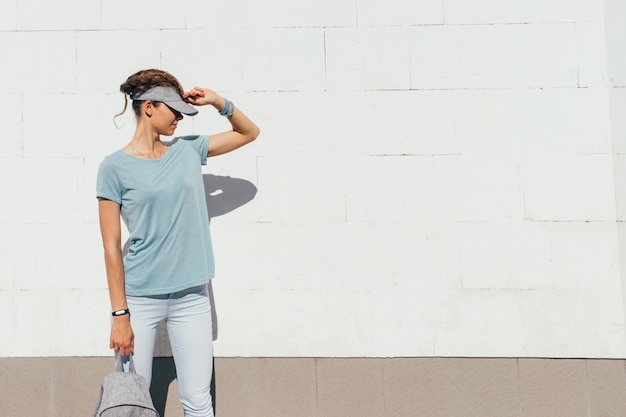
(219, 103)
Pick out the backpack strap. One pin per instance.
(121, 360)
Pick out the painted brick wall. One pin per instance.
(433, 178)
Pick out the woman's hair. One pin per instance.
(145, 80)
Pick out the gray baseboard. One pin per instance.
(339, 387)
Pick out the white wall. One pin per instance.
(435, 177)
(616, 41)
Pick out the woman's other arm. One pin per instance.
(122, 336)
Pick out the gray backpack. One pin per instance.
(125, 394)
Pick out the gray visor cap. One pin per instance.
(168, 96)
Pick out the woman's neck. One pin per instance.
(147, 143)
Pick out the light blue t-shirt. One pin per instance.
(162, 202)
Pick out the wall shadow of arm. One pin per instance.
(225, 194)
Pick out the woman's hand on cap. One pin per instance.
(200, 96)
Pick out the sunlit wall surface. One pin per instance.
(433, 177)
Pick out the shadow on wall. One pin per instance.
(223, 195)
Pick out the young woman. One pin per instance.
(156, 187)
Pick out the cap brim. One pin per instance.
(168, 96)
(182, 107)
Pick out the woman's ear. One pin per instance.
(148, 108)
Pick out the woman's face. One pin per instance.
(165, 119)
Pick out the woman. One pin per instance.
(156, 187)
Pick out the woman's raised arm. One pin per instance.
(244, 130)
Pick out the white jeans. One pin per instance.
(187, 314)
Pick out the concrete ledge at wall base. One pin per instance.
(339, 387)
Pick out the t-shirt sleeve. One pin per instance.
(107, 183)
(200, 143)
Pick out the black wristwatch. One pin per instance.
(120, 312)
